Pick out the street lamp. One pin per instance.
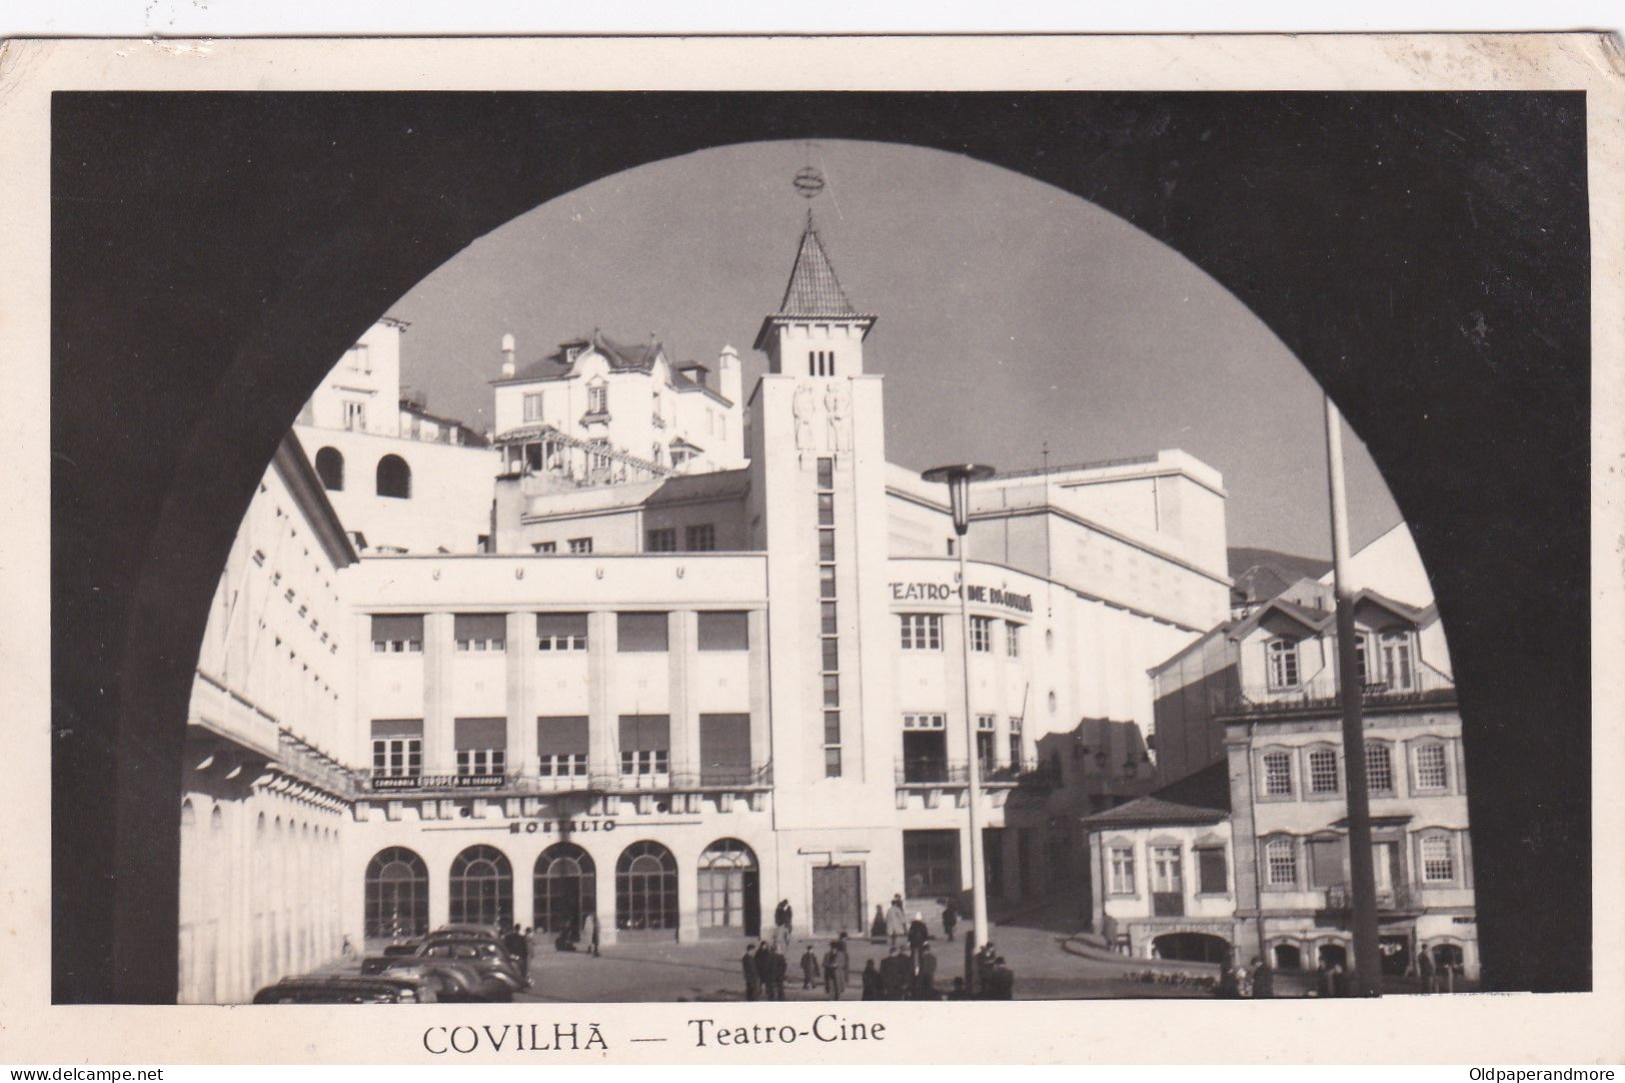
(959, 476)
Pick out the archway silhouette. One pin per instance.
(1425, 256)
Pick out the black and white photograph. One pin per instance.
(587, 525)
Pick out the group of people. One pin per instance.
(766, 968)
(1255, 981)
(892, 924)
(902, 976)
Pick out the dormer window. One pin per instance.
(1283, 663)
(1396, 653)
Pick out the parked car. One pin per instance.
(453, 980)
(485, 954)
(348, 989)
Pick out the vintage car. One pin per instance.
(453, 980)
(484, 954)
(349, 989)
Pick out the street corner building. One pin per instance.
(662, 650)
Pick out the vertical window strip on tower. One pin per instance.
(829, 636)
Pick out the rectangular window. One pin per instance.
(545, 547)
(397, 634)
(832, 763)
(1281, 863)
(1430, 768)
(533, 406)
(355, 416)
(1379, 769)
(826, 509)
(480, 631)
(481, 745)
(1212, 872)
(645, 744)
(1438, 863)
(1360, 654)
(826, 545)
(1017, 754)
(931, 864)
(580, 545)
(826, 474)
(1323, 771)
(641, 632)
(724, 631)
(925, 722)
(832, 690)
(397, 748)
(1167, 875)
(1012, 639)
(1283, 663)
(831, 654)
(561, 631)
(981, 634)
(561, 745)
(827, 624)
(1122, 870)
(832, 727)
(1396, 659)
(700, 538)
(725, 758)
(597, 399)
(1277, 774)
(922, 632)
(662, 540)
(1326, 865)
(826, 581)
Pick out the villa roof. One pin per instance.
(622, 357)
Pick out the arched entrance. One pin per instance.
(1192, 947)
(330, 468)
(1288, 957)
(1332, 953)
(396, 896)
(730, 898)
(481, 887)
(566, 888)
(646, 890)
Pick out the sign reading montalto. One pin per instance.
(942, 592)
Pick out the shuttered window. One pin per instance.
(482, 745)
(724, 749)
(724, 632)
(561, 744)
(480, 631)
(397, 633)
(561, 631)
(640, 632)
(645, 744)
(1326, 867)
(1212, 874)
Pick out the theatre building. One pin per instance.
(671, 696)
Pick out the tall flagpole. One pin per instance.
(1367, 977)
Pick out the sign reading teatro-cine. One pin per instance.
(979, 595)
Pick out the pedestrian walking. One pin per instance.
(779, 970)
(896, 922)
(834, 975)
(844, 948)
(753, 976)
(950, 919)
(918, 934)
(925, 975)
(589, 933)
(782, 915)
(1424, 970)
(764, 969)
(809, 968)
(877, 927)
(871, 981)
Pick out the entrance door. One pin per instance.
(1396, 954)
(753, 904)
(837, 899)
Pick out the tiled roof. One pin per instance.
(813, 288)
(622, 357)
(1147, 811)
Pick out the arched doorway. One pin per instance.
(1192, 947)
(330, 468)
(646, 889)
(1448, 955)
(397, 895)
(481, 887)
(566, 888)
(730, 899)
(1332, 953)
(1288, 957)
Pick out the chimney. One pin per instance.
(508, 368)
(730, 379)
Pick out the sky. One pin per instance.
(1010, 315)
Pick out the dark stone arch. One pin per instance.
(330, 468)
(394, 477)
(1425, 255)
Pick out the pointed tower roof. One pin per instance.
(813, 291)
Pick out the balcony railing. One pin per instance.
(1399, 898)
(923, 771)
(1425, 686)
(606, 782)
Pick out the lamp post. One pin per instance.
(959, 476)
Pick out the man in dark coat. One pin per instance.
(925, 978)
(918, 935)
(834, 972)
(764, 969)
(518, 948)
(753, 980)
(871, 981)
(782, 915)
(809, 968)
(1001, 981)
(896, 974)
(950, 919)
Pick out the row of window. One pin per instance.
(829, 615)
(1284, 772)
(1168, 869)
(577, 546)
(923, 632)
(634, 632)
(564, 882)
(1385, 659)
(697, 538)
(1292, 863)
(562, 744)
(393, 476)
